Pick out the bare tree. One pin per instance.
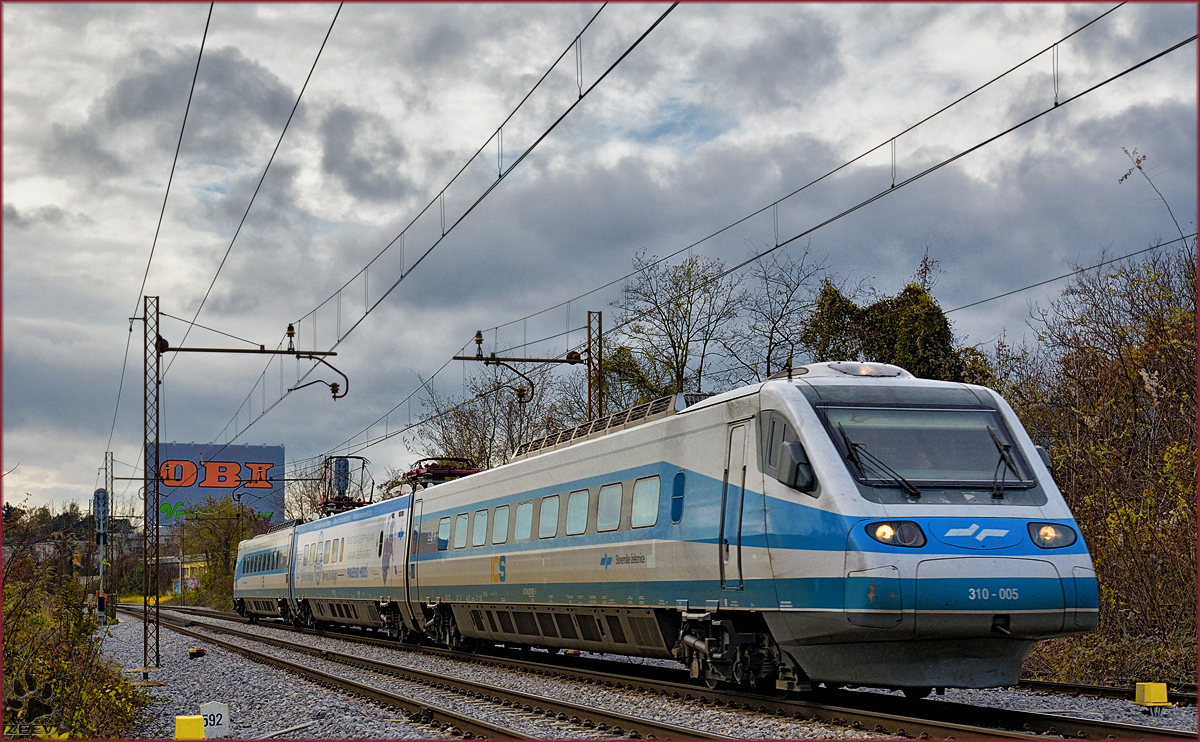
(302, 493)
(783, 294)
(490, 421)
(672, 318)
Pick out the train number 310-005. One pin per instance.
(983, 593)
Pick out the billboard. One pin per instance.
(191, 472)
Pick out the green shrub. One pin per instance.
(55, 673)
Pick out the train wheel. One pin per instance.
(918, 692)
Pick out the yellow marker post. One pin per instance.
(189, 727)
(1151, 694)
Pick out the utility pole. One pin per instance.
(110, 548)
(150, 500)
(595, 368)
(155, 347)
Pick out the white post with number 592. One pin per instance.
(216, 719)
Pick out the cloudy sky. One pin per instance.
(720, 111)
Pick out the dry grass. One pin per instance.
(1104, 659)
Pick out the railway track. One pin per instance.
(888, 714)
(1183, 694)
(597, 722)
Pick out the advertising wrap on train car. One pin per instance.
(190, 472)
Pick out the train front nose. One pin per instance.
(964, 577)
(978, 596)
(992, 576)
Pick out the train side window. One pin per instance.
(548, 519)
(380, 544)
(775, 432)
(677, 497)
(524, 523)
(325, 554)
(577, 512)
(341, 548)
(500, 525)
(608, 510)
(460, 530)
(645, 502)
(479, 531)
(443, 537)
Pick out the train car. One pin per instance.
(845, 524)
(262, 575)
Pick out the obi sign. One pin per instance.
(190, 472)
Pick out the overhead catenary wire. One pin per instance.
(715, 374)
(211, 329)
(954, 158)
(158, 228)
(258, 187)
(900, 185)
(446, 231)
(441, 193)
(774, 204)
(1073, 273)
(491, 187)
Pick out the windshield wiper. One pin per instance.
(1006, 459)
(858, 450)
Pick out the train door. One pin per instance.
(411, 579)
(733, 493)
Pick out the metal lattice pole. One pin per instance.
(109, 555)
(595, 357)
(150, 554)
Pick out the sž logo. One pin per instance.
(497, 569)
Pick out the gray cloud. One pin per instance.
(50, 215)
(783, 64)
(237, 108)
(358, 149)
(664, 155)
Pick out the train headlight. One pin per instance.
(1051, 535)
(897, 533)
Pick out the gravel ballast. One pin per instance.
(736, 723)
(261, 699)
(258, 689)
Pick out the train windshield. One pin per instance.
(911, 446)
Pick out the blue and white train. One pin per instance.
(847, 524)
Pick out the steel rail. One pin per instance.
(419, 712)
(589, 717)
(902, 725)
(1184, 693)
(858, 709)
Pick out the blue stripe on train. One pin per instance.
(813, 593)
